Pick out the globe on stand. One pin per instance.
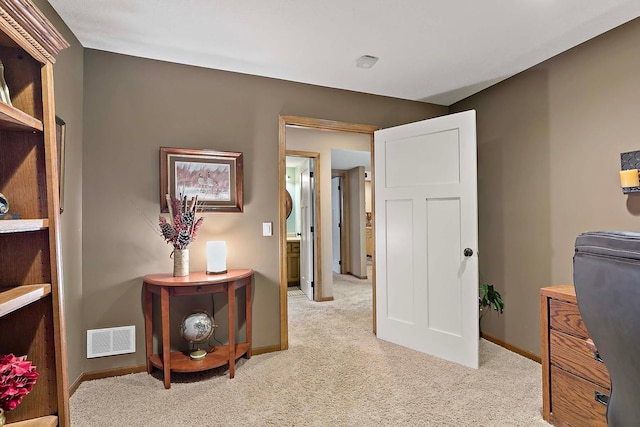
(196, 328)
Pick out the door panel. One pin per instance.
(400, 260)
(336, 219)
(438, 162)
(426, 203)
(443, 261)
(306, 237)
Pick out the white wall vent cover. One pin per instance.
(111, 341)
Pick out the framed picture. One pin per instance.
(214, 176)
(60, 137)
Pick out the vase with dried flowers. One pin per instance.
(17, 377)
(181, 230)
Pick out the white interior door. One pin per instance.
(336, 218)
(306, 234)
(426, 218)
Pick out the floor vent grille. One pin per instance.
(111, 341)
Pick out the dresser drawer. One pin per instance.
(293, 247)
(565, 317)
(572, 354)
(573, 401)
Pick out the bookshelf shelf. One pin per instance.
(13, 119)
(12, 299)
(22, 225)
(48, 421)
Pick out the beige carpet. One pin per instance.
(336, 373)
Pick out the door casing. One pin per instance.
(322, 124)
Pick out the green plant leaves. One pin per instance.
(490, 298)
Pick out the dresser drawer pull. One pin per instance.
(597, 357)
(594, 350)
(601, 398)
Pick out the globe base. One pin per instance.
(198, 354)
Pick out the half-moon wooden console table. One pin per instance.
(198, 283)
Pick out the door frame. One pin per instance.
(322, 124)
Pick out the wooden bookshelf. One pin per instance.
(31, 306)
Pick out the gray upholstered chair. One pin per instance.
(606, 274)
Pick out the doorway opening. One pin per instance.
(301, 224)
(322, 245)
(350, 207)
(339, 227)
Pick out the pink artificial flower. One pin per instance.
(17, 377)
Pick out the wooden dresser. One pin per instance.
(575, 382)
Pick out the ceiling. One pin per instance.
(433, 51)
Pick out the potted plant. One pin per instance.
(489, 299)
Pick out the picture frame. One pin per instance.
(61, 130)
(215, 177)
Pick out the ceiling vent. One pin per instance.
(366, 61)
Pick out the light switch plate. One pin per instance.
(267, 229)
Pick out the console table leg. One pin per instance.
(231, 292)
(148, 324)
(248, 303)
(166, 343)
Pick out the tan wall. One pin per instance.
(549, 144)
(134, 106)
(357, 220)
(68, 74)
